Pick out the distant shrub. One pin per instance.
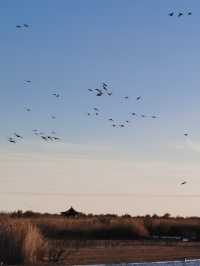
(20, 242)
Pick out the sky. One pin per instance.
(72, 46)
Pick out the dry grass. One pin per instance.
(20, 242)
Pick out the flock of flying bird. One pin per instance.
(180, 14)
(46, 137)
(104, 91)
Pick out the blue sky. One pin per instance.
(73, 46)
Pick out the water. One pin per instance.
(162, 263)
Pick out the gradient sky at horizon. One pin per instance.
(73, 46)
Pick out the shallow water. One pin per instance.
(164, 263)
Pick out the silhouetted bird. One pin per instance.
(133, 113)
(27, 81)
(189, 13)
(171, 14)
(88, 114)
(96, 113)
(26, 25)
(143, 116)
(138, 98)
(105, 86)
(44, 138)
(56, 95)
(96, 109)
(11, 140)
(28, 109)
(153, 116)
(18, 136)
(90, 90)
(114, 125)
(127, 121)
(183, 183)
(99, 92)
(56, 138)
(49, 137)
(53, 117)
(126, 97)
(109, 93)
(121, 125)
(110, 119)
(180, 14)
(186, 134)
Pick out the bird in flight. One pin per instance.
(189, 13)
(11, 140)
(133, 113)
(90, 90)
(18, 136)
(22, 26)
(153, 116)
(105, 86)
(57, 95)
(110, 119)
(96, 109)
(53, 117)
(99, 92)
(138, 98)
(114, 125)
(44, 138)
(171, 14)
(109, 93)
(56, 138)
(183, 183)
(186, 134)
(49, 137)
(126, 97)
(27, 81)
(28, 109)
(180, 14)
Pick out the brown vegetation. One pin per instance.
(20, 242)
(32, 238)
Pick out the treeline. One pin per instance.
(32, 214)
